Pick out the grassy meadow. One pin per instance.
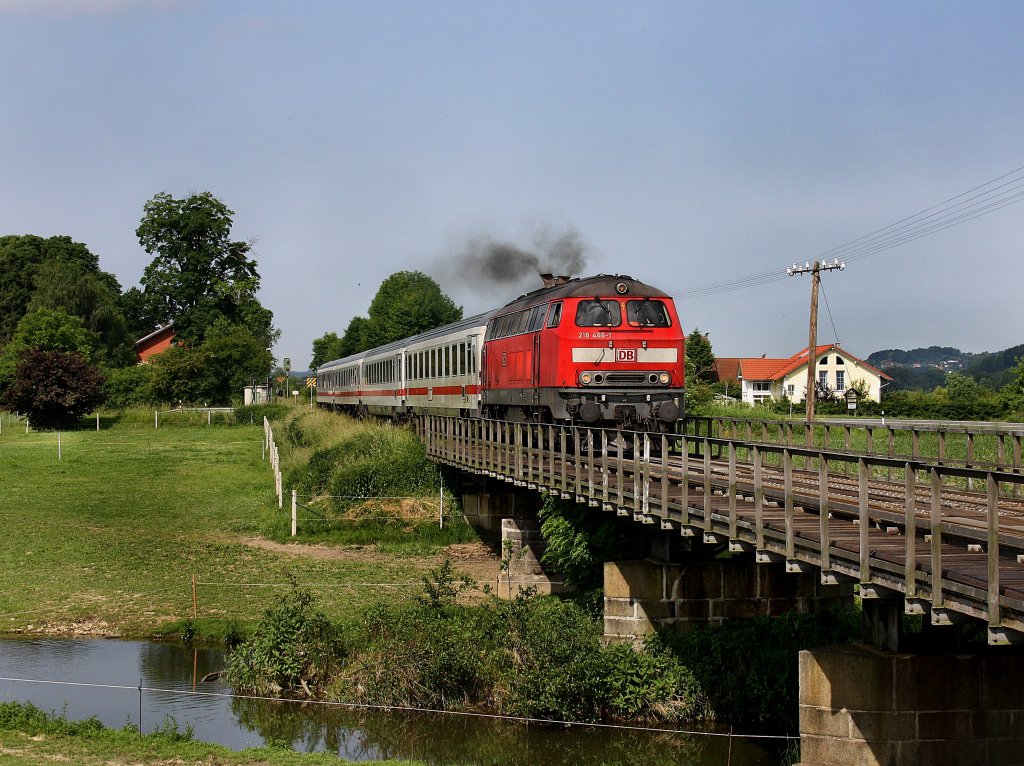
(106, 540)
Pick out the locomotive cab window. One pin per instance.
(647, 313)
(536, 318)
(555, 315)
(598, 313)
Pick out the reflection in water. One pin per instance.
(354, 734)
(450, 739)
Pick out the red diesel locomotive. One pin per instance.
(601, 351)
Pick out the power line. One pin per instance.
(993, 195)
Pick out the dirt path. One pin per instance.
(474, 559)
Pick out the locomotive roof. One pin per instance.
(582, 287)
(587, 287)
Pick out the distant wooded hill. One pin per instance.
(926, 368)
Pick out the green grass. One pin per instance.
(29, 737)
(107, 539)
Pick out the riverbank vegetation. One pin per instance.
(534, 657)
(31, 737)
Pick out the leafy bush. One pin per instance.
(579, 541)
(293, 648)
(651, 684)
(384, 462)
(55, 388)
(129, 386)
(27, 718)
(748, 668)
(532, 656)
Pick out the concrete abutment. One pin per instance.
(860, 705)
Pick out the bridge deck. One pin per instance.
(890, 523)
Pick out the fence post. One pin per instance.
(156, 419)
(295, 511)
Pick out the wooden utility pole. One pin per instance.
(814, 270)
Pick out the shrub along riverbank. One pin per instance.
(536, 657)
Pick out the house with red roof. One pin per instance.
(762, 378)
(161, 339)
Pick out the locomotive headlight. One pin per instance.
(664, 378)
(586, 378)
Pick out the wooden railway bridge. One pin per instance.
(926, 520)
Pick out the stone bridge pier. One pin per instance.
(505, 517)
(893, 700)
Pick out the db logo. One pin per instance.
(625, 355)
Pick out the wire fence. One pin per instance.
(140, 689)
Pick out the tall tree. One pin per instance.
(407, 303)
(700, 359)
(21, 257)
(326, 348)
(354, 339)
(44, 330)
(83, 294)
(199, 273)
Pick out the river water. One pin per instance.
(74, 676)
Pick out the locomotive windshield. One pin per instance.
(647, 313)
(598, 313)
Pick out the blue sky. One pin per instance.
(682, 143)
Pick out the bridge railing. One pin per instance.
(981, 445)
(645, 476)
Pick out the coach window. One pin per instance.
(555, 314)
(598, 313)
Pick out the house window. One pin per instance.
(840, 380)
(790, 389)
(839, 359)
(823, 378)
